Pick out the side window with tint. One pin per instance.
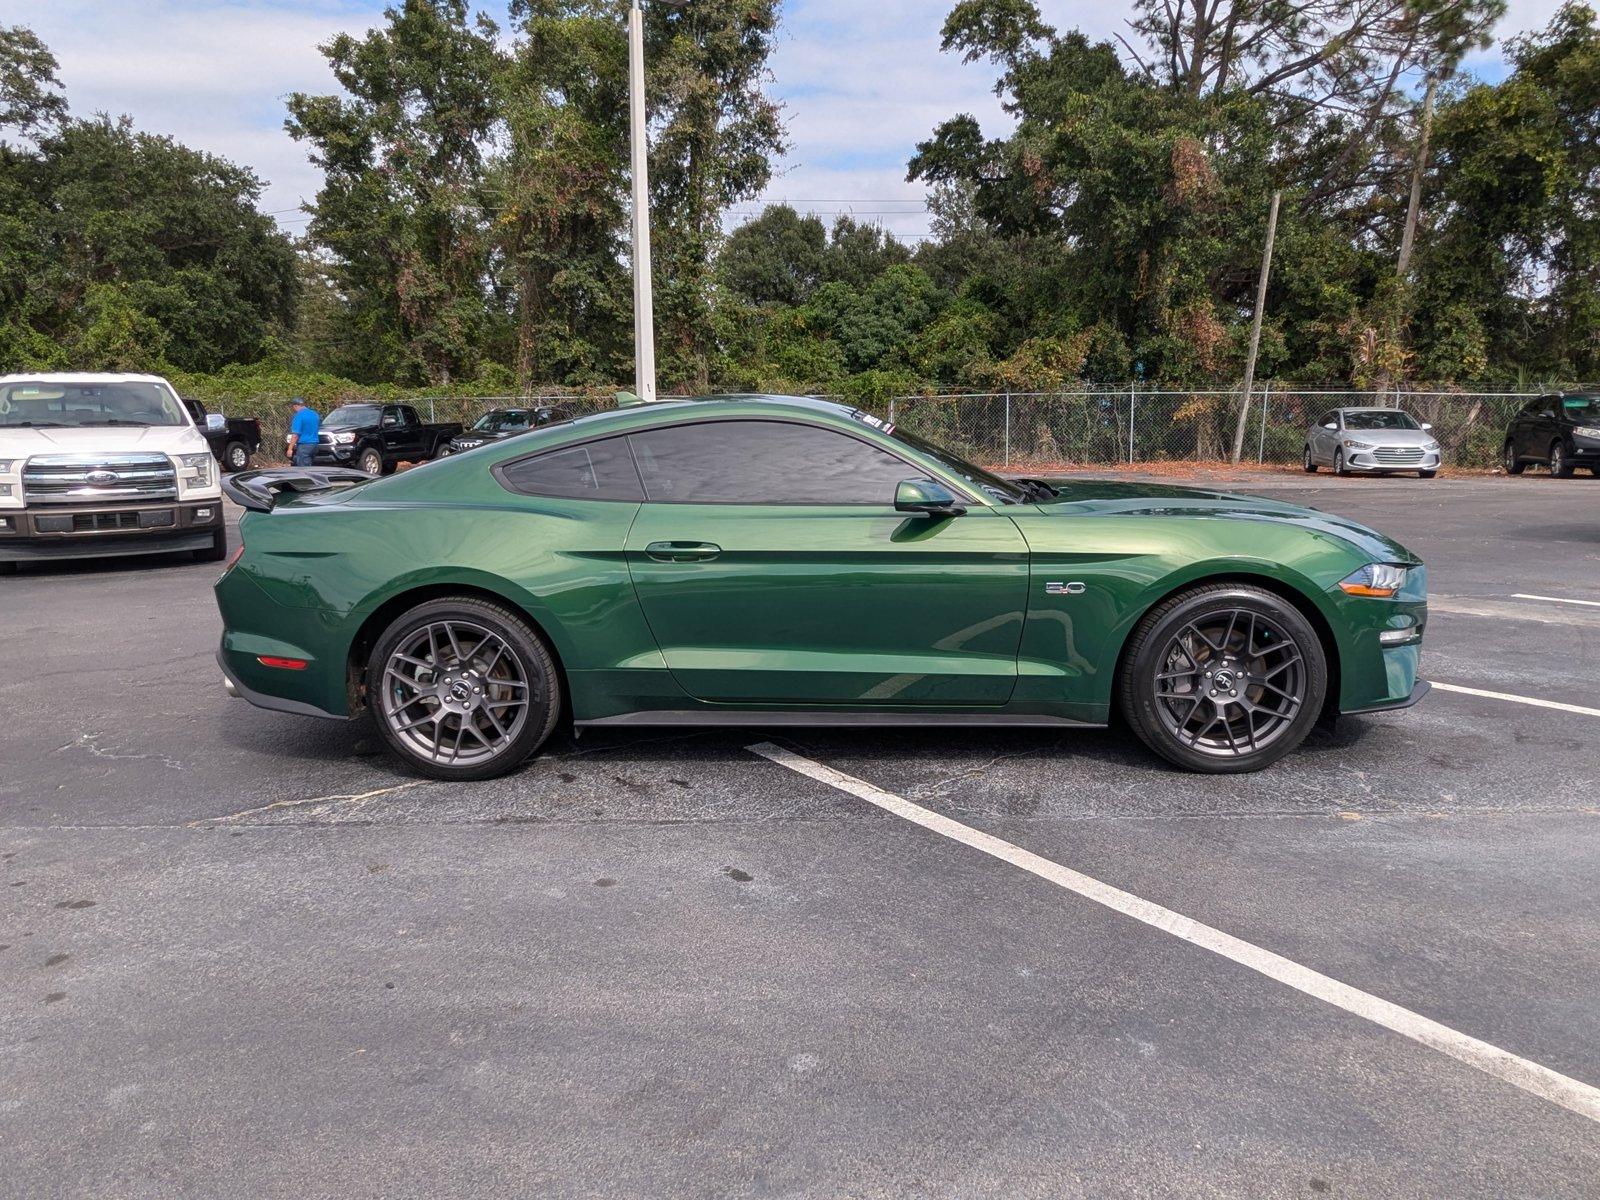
(764, 462)
(593, 471)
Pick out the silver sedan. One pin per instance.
(1371, 439)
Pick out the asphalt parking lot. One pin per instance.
(242, 955)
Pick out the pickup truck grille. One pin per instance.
(108, 479)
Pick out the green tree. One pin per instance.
(715, 133)
(401, 211)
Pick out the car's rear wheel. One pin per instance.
(1307, 462)
(1223, 678)
(1511, 461)
(462, 688)
(1560, 464)
(370, 463)
(1338, 463)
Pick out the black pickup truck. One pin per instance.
(377, 438)
(232, 439)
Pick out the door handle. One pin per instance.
(682, 551)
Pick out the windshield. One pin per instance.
(1382, 418)
(1581, 408)
(992, 485)
(45, 403)
(351, 415)
(502, 420)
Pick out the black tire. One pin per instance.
(1305, 461)
(1510, 461)
(370, 462)
(8, 568)
(235, 457)
(1560, 464)
(217, 551)
(1147, 655)
(1338, 463)
(530, 659)
(1426, 474)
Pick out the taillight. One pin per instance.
(237, 554)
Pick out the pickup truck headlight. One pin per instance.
(341, 439)
(196, 468)
(1588, 431)
(7, 463)
(1375, 579)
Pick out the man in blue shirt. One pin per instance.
(303, 430)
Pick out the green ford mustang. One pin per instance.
(778, 561)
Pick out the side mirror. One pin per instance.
(1425, 425)
(1331, 425)
(926, 497)
(216, 423)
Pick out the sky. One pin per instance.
(861, 82)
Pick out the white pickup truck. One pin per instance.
(94, 465)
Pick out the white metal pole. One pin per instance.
(644, 336)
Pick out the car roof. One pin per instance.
(744, 404)
(1372, 408)
(79, 377)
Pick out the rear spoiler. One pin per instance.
(258, 490)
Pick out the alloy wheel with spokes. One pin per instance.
(1223, 678)
(1231, 683)
(462, 689)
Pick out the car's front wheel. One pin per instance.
(1560, 464)
(370, 463)
(1223, 678)
(1338, 463)
(462, 688)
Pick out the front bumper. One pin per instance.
(331, 455)
(103, 530)
(1383, 459)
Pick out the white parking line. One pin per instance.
(1554, 599)
(1515, 699)
(1570, 1094)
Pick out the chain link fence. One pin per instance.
(1041, 430)
(1035, 431)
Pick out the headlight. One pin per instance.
(1430, 447)
(1352, 444)
(7, 463)
(342, 439)
(1375, 579)
(1588, 431)
(199, 468)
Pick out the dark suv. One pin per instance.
(1560, 430)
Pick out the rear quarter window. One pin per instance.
(601, 470)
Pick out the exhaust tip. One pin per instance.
(230, 687)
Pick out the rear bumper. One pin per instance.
(104, 530)
(241, 691)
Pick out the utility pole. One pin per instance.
(1255, 330)
(1417, 170)
(644, 326)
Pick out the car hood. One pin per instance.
(1390, 437)
(1114, 498)
(18, 442)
